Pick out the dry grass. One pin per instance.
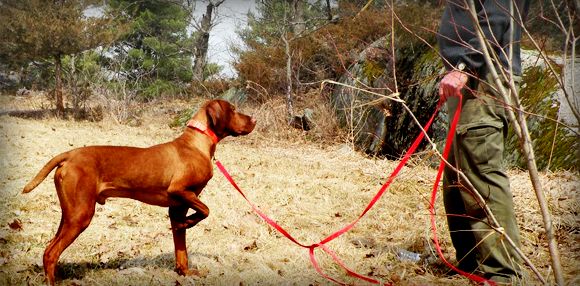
(310, 189)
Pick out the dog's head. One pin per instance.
(224, 120)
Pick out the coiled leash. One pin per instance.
(382, 190)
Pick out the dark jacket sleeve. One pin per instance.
(494, 19)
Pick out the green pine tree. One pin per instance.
(156, 53)
(34, 30)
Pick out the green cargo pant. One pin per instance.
(478, 151)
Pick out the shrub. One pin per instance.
(158, 88)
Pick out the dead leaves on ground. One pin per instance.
(15, 225)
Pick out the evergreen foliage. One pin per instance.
(323, 52)
(330, 47)
(34, 30)
(274, 18)
(156, 53)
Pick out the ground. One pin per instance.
(310, 189)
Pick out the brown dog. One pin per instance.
(168, 175)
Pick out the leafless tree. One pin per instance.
(201, 44)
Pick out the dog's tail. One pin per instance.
(53, 163)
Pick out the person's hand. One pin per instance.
(451, 85)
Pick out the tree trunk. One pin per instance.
(58, 86)
(328, 10)
(299, 24)
(574, 7)
(289, 101)
(202, 42)
(518, 120)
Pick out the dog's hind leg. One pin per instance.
(77, 200)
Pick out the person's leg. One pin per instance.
(459, 226)
(494, 255)
(480, 142)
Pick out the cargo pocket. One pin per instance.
(482, 148)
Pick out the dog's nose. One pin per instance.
(253, 120)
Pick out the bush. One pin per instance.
(159, 88)
(330, 50)
(316, 56)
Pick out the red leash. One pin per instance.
(382, 190)
(446, 150)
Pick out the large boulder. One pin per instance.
(556, 145)
(382, 127)
(378, 125)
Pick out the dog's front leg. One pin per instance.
(177, 215)
(188, 199)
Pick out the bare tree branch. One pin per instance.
(519, 122)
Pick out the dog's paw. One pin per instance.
(192, 272)
(184, 271)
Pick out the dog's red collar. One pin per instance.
(203, 129)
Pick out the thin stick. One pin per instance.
(519, 122)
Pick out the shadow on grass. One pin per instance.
(30, 114)
(78, 270)
(90, 114)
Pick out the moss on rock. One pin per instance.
(555, 147)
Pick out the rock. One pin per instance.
(303, 121)
(235, 96)
(380, 126)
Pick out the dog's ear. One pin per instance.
(214, 114)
